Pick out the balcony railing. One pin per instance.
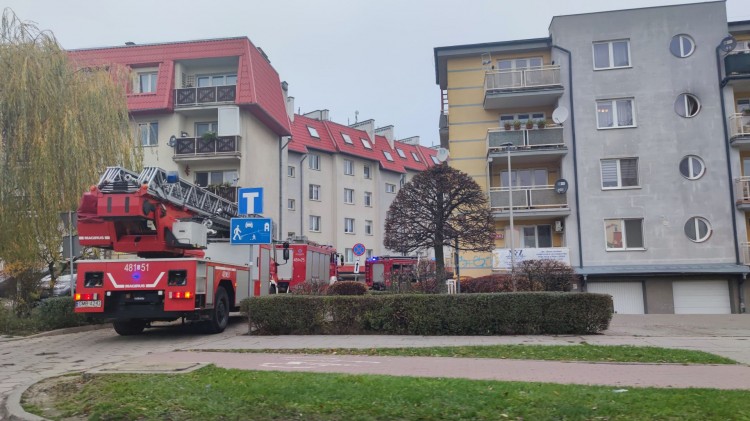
(742, 190)
(196, 146)
(538, 197)
(739, 126)
(226, 192)
(745, 253)
(522, 78)
(737, 62)
(186, 97)
(546, 138)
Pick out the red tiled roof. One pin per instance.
(356, 148)
(381, 145)
(303, 141)
(258, 84)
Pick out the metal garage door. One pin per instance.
(627, 296)
(701, 297)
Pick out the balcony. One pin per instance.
(533, 87)
(742, 193)
(745, 253)
(546, 142)
(737, 68)
(193, 148)
(209, 95)
(739, 129)
(528, 202)
(225, 192)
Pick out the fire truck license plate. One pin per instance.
(92, 303)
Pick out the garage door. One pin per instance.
(701, 297)
(627, 296)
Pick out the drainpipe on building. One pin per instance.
(301, 196)
(281, 189)
(726, 149)
(741, 291)
(575, 153)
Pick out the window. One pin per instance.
(313, 162)
(415, 156)
(314, 192)
(525, 178)
(349, 196)
(435, 160)
(366, 169)
(388, 156)
(347, 139)
(619, 173)
(687, 105)
(290, 204)
(348, 167)
(692, 167)
(215, 178)
(682, 46)
(401, 153)
(203, 128)
(368, 199)
(314, 223)
(149, 133)
(348, 256)
(743, 105)
(613, 113)
(290, 171)
(611, 54)
(624, 234)
(536, 236)
(519, 63)
(390, 188)
(368, 254)
(368, 227)
(313, 132)
(217, 80)
(348, 225)
(510, 118)
(147, 82)
(365, 143)
(697, 229)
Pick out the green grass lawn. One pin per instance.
(585, 352)
(213, 393)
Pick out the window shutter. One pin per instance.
(609, 173)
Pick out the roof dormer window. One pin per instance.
(401, 153)
(388, 156)
(347, 139)
(313, 132)
(365, 143)
(415, 156)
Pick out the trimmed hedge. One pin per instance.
(57, 313)
(347, 288)
(520, 313)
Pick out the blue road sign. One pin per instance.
(251, 231)
(250, 200)
(359, 249)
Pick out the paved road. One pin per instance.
(27, 361)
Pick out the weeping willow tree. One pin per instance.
(60, 126)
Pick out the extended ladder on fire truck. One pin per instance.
(171, 189)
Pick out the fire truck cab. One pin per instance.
(379, 271)
(300, 260)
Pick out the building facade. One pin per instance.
(630, 177)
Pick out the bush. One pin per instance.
(546, 275)
(347, 288)
(57, 313)
(486, 284)
(430, 314)
(310, 288)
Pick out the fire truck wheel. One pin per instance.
(129, 327)
(220, 313)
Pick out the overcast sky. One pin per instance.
(373, 56)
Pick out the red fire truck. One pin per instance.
(304, 261)
(379, 271)
(178, 273)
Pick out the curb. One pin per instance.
(63, 331)
(14, 409)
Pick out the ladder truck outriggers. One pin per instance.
(178, 273)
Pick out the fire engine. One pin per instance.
(379, 271)
(178, 273)
(309, 262)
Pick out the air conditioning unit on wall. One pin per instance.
(559, 227)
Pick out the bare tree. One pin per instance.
(436, 208)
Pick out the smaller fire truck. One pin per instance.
(304, 261)
(379, 271)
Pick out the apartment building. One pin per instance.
(217, 112)
(342, 179)
(630, 176)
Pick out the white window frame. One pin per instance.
(390, 188)
(365, 143)
(696, 220)
(348, 225)
(679, 38)
(367, 171)
(349, 196)
(291, 204)
(611, 55)
(624, 237)
(348, 255)
(348, 167)
(619, 185)
(368, 199)
(388, 156)
(227, 176)
(415, 156)
(347, 139)
(291, 171)
(684, 104)
(521, 238)
(313, 132)
(369, 253)
(435, 160)
(315, 223)
(313, 162)
(151, 132)
(314, 192)
(400, 153)
(615, 121)
(691, 159)
(212, 77)
(368, 227)
(151, 79)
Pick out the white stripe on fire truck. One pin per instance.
(116, 285)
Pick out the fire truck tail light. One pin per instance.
(86, 297)
(180, 294)
(78, 297)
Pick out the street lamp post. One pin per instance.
(507, 146)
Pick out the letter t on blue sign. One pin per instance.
(250, 200)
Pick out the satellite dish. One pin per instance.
(728, 44)
(560, 115)
(561, 186)
(442, 154)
